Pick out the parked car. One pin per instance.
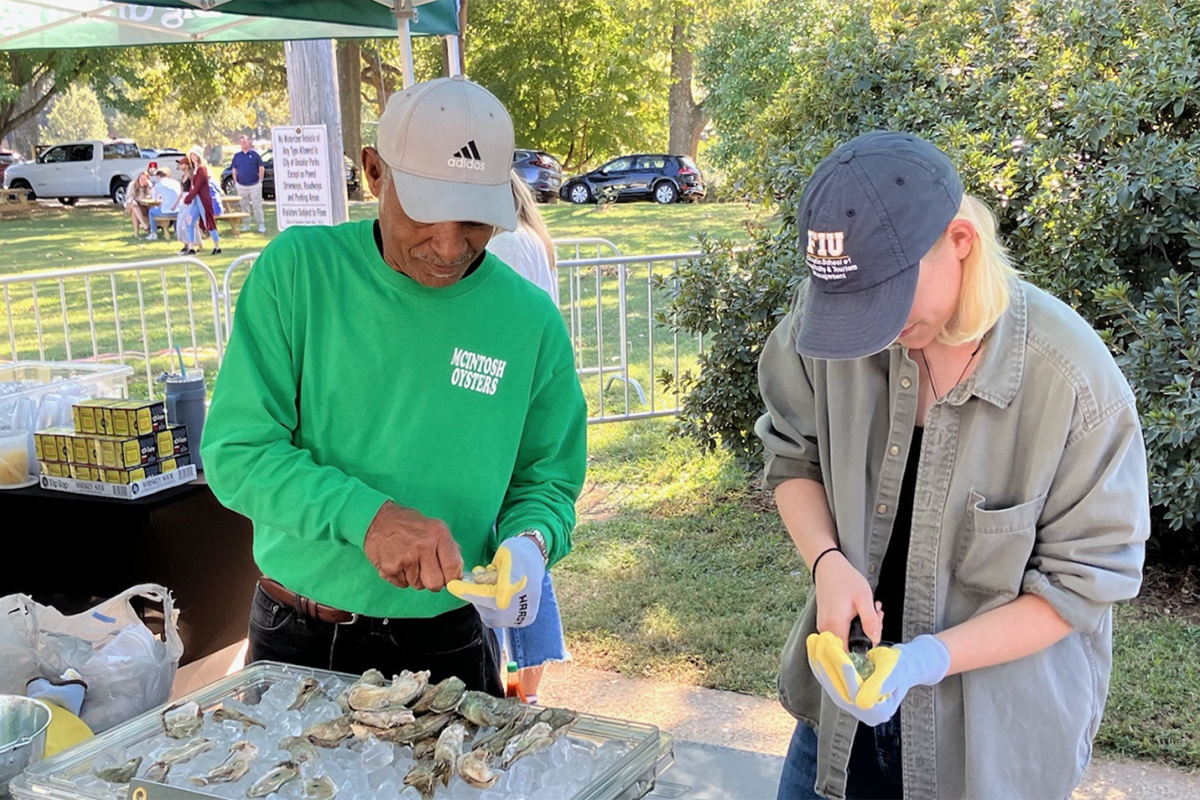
(541, 172)
(268, 157)
(662, 178)
(87, 168)
(162, 154)
(8, 157)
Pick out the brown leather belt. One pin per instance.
(280, 593)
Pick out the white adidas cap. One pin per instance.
(449, 143)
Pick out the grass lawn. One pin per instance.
(683, 572)
(95, 232)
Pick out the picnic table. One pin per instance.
(16, 201)
(233, 214)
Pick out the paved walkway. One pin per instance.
(751, 723)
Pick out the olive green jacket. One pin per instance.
(1032, 479)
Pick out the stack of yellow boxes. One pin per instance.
(114, 441)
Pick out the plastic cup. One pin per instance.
(14, 457)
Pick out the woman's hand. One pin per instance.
(843, 594)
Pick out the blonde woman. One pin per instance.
(959, 461)
(201, 194)
(529, 249)
(139, 189)
(185, 223)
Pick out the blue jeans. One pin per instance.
(874, 772)
(156, 213)
(198, 217)
(541, 641)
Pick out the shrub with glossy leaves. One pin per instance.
(1078, 121)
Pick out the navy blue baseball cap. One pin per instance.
(871, 210)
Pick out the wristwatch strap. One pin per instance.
(539, 540)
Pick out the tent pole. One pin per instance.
(403, 9)
(406, 56)
(454, 54)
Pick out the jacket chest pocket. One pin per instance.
(997, 543)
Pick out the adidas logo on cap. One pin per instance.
(467, 158)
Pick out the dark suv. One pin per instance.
(268, 158)
(541, 172)
(661, 178)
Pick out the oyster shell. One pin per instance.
(121, 774)
(276, 777)
(183, 720)
(310, 687)
(320, 788)
(233, 768)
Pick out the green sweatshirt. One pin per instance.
(347, 384)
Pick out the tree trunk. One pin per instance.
(687, 117)
(349, 69)
(40, 84)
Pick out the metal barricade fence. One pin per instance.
(610, 304)
(227, 288)
(140, 314)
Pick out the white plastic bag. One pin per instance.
(127, 668)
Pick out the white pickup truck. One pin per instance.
(89, 168)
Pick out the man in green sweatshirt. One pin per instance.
(395, 403)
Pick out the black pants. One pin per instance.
(876, 770)
(454, 643)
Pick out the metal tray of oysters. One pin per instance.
(278, 731)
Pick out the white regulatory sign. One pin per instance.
(303, 195)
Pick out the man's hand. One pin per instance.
(409, 549)
(512, 600)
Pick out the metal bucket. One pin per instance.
(23, 724)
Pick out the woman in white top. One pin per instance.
(529, 249)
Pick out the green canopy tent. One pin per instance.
(72, 24)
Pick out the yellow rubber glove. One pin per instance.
(922, 662)
(493, 582)
(518, 569)
(833, 668)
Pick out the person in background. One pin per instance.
(960, 462)
(248, 172)
(529, 250)
(395, 403)
(139, 189)
(201, 193)
(166, 191)
(185, 223)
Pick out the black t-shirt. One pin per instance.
(893, 575)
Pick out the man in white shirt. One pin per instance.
(165, 190)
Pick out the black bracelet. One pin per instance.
(825, 552)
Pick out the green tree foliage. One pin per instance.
(577, 77)
(75, 114)
(1076, 120)
(225, 87)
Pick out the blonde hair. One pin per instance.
(528, 215)
(987, 278)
